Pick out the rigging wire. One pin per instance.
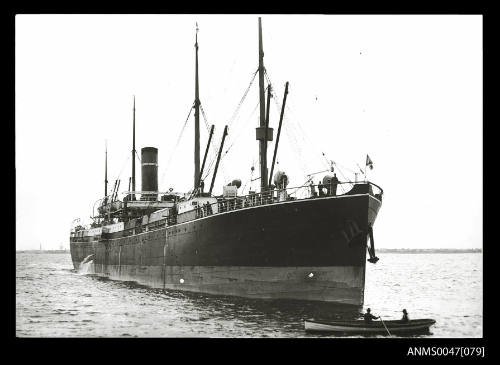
(300, 131)
(290, 130)
(209, 168)
(205, 119)
(176, 145)
(212, 162)
(250, 180)
(213, 158)
(242, 130)
(344, 167)
(233, 117)
(306, 137)
(229, 124)
(123, 167)
(297, 128)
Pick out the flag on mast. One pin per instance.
(369, 162)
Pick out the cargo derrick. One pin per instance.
(200, 184)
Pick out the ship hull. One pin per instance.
(312, 249)
(340, 284)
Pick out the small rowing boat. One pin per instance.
(375, 327)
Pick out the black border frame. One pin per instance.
(312, 349)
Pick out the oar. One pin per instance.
(385, 326)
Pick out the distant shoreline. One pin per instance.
(430, 250)
(381, 250)
(42, 251)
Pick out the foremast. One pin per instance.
(196, 120)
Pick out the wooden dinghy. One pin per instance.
(375, 327)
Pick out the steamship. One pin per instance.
(303, 243)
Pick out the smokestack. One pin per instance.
(149, 163)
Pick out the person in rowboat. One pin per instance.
(405, 316)
(368, 316)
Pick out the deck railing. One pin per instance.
(226, 204)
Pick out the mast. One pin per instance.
(106, 174)
(196, 119)
(263, 132)
(133, 154)
(262, 143)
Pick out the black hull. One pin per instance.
(266, 251)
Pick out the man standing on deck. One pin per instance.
(368, 316)
(320, 188)
(313, 190)
(333, 184)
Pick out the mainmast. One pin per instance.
(133, 154)
(196, 120)
(263, 133)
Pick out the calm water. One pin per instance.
(52, 300)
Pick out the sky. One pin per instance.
(404, 89)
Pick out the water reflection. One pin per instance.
(198, 307)
(54, 300)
